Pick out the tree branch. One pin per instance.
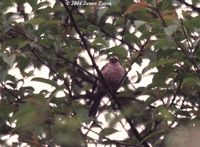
(85, 44)
(184, 51)
(191, 6)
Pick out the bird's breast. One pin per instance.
(113, 74)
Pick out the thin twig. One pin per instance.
(191, 6)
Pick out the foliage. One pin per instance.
(68, 38)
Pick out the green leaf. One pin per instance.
(119, 51)
(107, 131)
(165, 113)
(132, 38)
(139, 77)
(10, 60)
(155, 134)
(28, 117)
(184, 114)
(23, 44)
(170, 30)
(101, 13)
(5, 110)
(46, 81)
(20, 1)
(164, 61)
(139, 23)
(35, 21)
(82, 113)
(33, 3)
(191, 81)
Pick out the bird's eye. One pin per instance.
(114, 59)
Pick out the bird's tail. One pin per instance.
(96, 103)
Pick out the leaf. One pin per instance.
(35, 21)
(132, 38)
(101, 13)
(165, 113)
(9, 60)
(52, 22)
(5, 110)
(20, 1)
(22, 63)
(164, 61)
(151, 100)
(183, 114)
(170, 29)
(106, 132)
(136, 7)
(119, 51)
(139, 77)
(27, 117)
(191, 81)
(139, 23)
(46, 81)
(156, 134)
(23, 44)
(82, 113)
(41, 5)
(33, 3)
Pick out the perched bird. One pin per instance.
(113, 74)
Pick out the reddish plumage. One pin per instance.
(113, 73)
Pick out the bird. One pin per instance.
(113, 74)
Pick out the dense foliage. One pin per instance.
(70, 38)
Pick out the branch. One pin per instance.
(17, 30)
(76, 65)
(82, 37)
(108, 34)
(3, 86)
(191, 6)
(184, 51)
(51, 69)
(177, 91)
(113, 95)
(116, 142)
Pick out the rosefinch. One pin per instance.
(113, 73)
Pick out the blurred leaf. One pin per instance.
(28, 117)
(65, 132)
(101, 13)
(165, 114)
(107, 131)
(35, 21)
(156, 133)
(20, 1)
(23, 44)
(5, 110)
(33, 4)
(46, 81)
(82, 113)
(191, 81)
(139, 23)
(139, 77)
(170, 29)
(119, 52)
(183, 114)
(10, 59)
(136, 7)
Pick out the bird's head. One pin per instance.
(114, 59)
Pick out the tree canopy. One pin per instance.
(71, 38)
